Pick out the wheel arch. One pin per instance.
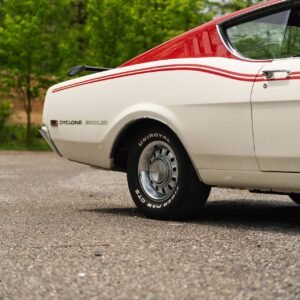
(119, 150)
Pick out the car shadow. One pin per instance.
(279, 216)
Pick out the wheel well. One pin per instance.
(121, 146)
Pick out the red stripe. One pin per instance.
(213, 68)
(187, 67)
(192, 67)
(145, 70)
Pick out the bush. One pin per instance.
(6, 109)
(13, 137)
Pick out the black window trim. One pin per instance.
(253, 14)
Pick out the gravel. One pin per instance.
(72, 232)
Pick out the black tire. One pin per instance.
(157, 188)
(295, 198)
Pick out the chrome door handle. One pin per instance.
(270, 73)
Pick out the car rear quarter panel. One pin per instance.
(210, 112)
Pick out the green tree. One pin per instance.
(106, 28)
(156, 21)
(119, 30)
(30, 38)
(74, 44)
(41, 39)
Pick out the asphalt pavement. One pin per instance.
(68, 231)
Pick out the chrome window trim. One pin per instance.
(229, 47)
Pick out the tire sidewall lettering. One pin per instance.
(150, 204)
(154, 135)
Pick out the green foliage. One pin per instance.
(41, 39)
(256, 48)
(291, 43)
(6, 109)
(29, 47)
(117, 35)
(13, 137)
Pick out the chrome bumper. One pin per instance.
(45, 134)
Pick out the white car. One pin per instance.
(217, 106)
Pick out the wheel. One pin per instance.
(295, 198)
(161, 179)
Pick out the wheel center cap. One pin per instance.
(158, 171)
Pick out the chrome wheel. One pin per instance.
(161, 178)
(158, 171)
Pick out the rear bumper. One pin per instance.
(45, 134)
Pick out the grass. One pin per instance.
(12, 137)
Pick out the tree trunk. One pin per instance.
(28, 123)
(28, 109)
